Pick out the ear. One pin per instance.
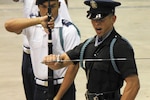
(114, 18)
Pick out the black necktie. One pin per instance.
(100, 39)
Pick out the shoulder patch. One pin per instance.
(66, 22)
(33, 15)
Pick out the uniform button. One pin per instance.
(45, 92)
(95, 55)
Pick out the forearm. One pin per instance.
(17, 25)
(131, 88)
(52, 63)
(68, 80)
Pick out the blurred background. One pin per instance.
(133, 21)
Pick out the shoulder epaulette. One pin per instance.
(66, 22)
(33, 15)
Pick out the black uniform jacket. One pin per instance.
(101, 75)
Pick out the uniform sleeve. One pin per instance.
(75, 53)
(71, 37)
(63, 10)
(128, 67)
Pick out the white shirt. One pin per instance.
(28, 8)
(38, 41)
(63, 10)
(31, 8)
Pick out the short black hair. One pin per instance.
(39, 2)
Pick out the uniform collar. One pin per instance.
(112, 35)
(58, 22)
(102, 38)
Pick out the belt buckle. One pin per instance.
(45, 83)
(95, 98)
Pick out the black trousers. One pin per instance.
(28, 77)
(41, 92)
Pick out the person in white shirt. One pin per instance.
(38, 40)
(29, 8)
(27, 71)
(63, 10)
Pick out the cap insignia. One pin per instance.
(98, 16)
(93, 4)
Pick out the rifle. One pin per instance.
(49, 15)
(50, 71)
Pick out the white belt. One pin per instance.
(26, 50)
(45, 83)
(40, 82)
(58, 81)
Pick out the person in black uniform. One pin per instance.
(104, 82)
